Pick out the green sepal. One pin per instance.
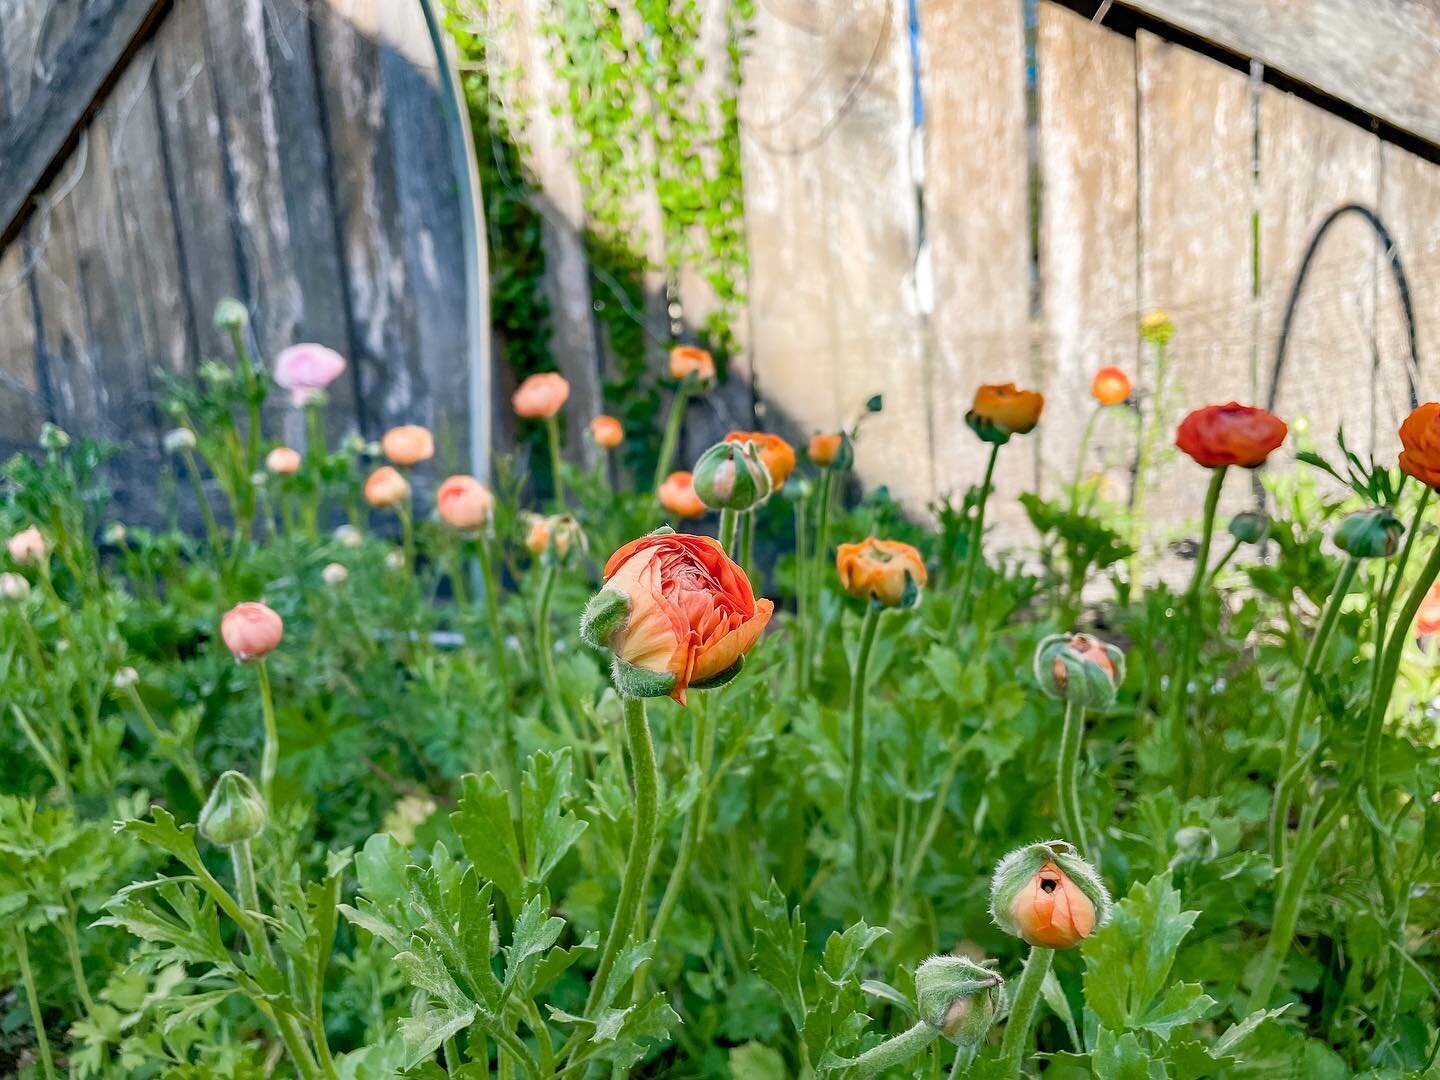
(635, 682)
(958, 997)
(663, 530)
(721, 678)
(989, 432)
(1016, 869)
(605, 615)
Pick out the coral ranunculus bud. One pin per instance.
(251, 630)
(552, 537)
(28, 547)
(1001, 410)
(688, 360)
(831, 450)
(1156, 327)
(606, 432)
(1370, 534)
(777, 454)
(283, 461)
(541, 396)
(13, 587)
(1111, 386)
(385, 487)
(1420, 444)
(235, 811)
(677, 495)
(885, 572)
(1250, 526)
(1046, 895)
(464, 503)
(676, 614)
(306, 370)
(1230, 434)
(958, 997)
(731, 476)
(408, 444)
(1080, 669)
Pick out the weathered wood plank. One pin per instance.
(1379, 57)
(1310, 164)
(63, 95)
(977, 221)
(1089, 239)
(20, 24)
(21, 409)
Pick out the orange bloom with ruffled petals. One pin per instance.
(777, 454)
(880, 570)
(677, 495)
(686, 360)
(1110, 386)
(1420, 443)
(1230, 434)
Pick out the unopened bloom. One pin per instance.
(1156, 327)
(541, 396)
(777, 454)
(732, 476)
(677, 495)
(606, 432)
(1250, 526)
(348, 536)
(230, 314)
(28, 546)
(283, 461)
(675, 613)
(885, 572)
(408, 444)
(125, 678)
(335, 574)
(958, 997)
(53, 437)
(831, 450)
(687, 360)
(1046, 895)
(394, 560)
(235, 811)
(385, 487)
(13, 587)
(251, 630)
(1230, 434)
(1001, 410)
(115, 533)
(306, 370)
(552, 536)
(464, 503)
(1420, 444)
(178, 440)
(1080, 669)
(1370, 534)
(1427, 618)
(1110, 386)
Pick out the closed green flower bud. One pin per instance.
(1156, 327)
(1370, 534)
(234, 813)
(1194, 844)
(732, 476)
(53, 438)
(958, 997)
(230, 314)
(1250, 527)
(1047, 895)
(1079, 669)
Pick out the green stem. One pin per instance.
(802, 593)
(314, 459)
(72, 952)
(821, 556)
(552, 436)
(1022, 1010)
(457, 578)
(895, 1050)
(857, 735)
(729, 519)
(1398, 571)
(167, 744)
(207, 512)
(1081, 454)
(671, 437)
(1072, 822)
(32, 999)
(546, 650)
(702, 748)
(1143, 453)
(407, 531)
(977, 535)
(252, 399)
(747, 547)
(1314, 660)
(270, 754)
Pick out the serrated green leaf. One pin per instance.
(1121, 1057)
(482, 821)
(550, 829)
(779, 951)
(533, 934)
(1182, 1003)
(1127, 961)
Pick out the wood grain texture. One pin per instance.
(1376, 56)
(1089, 241)
(62, 327)
(22, 410)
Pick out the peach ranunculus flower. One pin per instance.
(886, 572)
(1231, 434)
(1420, 444)
(541, 396)
(386, 487)
(283, 461)
(825, 448)
(676, 613)
(777, 454)
(464, 503)
(606, 432)
(677, 495)
(1110, 386)
(251, 630)
(1427, 619)
(408, 444)
(1002, 409)
(28, 546)
(306, 370)
(687, 360)
(1047, 895)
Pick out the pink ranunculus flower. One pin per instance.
(307, 369)
(27, 546)
(541, 396)
(251, 630)
(283, 461)
(464, 503)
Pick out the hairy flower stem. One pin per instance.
(671, 438)
(1022, 1011)
(167, 744)
(1081, 454)
(251, 384)
(1144, 456)
(314, 459)
(857, 736)
(1314, 659)
(976, 538)
(747, 548)
(552, 436)
(821, 555)
(1067, 777)
(1174, 732)
(270, 754)
(546, 650)
(407, 532)
(802, 593)
(895, 1050)
(729, 520)
(32, 999)
(207, 512)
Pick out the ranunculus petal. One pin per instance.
(721, 654)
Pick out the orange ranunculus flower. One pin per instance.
(283, 461)
(883, 571)
(1110, 386)
(825, 448)
(408, 444)
(1420, 444)
(690, 612)
(607, 432)
(777, 454)
(464, 503)
(1052, 911)
(251, 630)
(1231, 434)
(541, 396)
(1001, 410)
(688, 360)
(677, 494)
(1427, 619)
(385, 487)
